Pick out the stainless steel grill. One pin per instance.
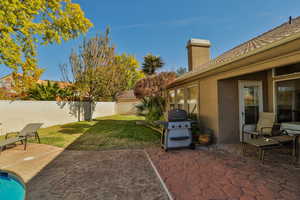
(177, 130)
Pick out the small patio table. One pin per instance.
(262, 144)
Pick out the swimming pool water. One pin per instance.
(10, 187)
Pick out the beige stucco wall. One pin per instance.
(208, 105)
(197, 56)
(228, 104)
(209, 98)
(14, 115)
(127, 107)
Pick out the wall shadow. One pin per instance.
(93, 174)
(81, 110)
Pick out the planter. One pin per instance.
(205, 139)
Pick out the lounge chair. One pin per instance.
(30, 130)
(263, 127)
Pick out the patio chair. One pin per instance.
(30, 130)
(262, 128)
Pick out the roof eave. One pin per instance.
(203, 72)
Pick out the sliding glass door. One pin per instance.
(288, 101)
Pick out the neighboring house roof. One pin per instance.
(6, 82)
(259, 43)
(7, 79)
(129, 94)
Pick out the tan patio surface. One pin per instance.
(29, 162)
(53, 173)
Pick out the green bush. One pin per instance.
(48, 92)
(152, 108)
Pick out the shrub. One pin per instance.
(152, 108)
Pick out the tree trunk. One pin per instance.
(90, 116)
(79, 109)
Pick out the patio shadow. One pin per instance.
(80, 172)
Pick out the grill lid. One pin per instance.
(177, 115)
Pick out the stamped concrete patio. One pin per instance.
(52, 173)
(219, 175)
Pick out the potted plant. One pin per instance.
(205, 138)
(202, 137)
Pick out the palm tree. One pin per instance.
(151, 64)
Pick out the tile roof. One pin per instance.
(278, 33)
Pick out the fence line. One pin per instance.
(14, 115)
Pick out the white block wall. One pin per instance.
(127, 108)
(14, 115)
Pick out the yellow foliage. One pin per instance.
(129, 67)
(24, 24)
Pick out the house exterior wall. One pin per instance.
(208, 105)
(210, 114)
(228, 104)
(219, 106)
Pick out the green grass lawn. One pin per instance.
(114, 132)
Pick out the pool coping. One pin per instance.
(18, 178)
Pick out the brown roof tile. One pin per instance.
(278, 33)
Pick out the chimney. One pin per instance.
(198, 53)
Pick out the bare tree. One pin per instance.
(88, 70)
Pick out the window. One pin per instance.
(251, 103)
(192, 101)
(288, 101)
(171, 99)
(290, 69)
(180, 98)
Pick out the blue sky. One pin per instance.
(163, 27)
